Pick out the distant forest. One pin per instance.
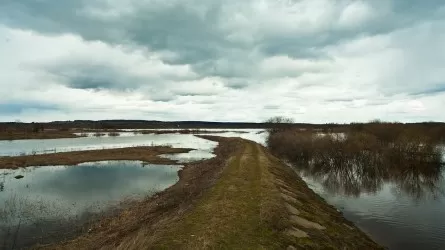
(144, 124)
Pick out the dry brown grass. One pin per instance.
(141, 224)
(229, 202)
(242, 210)
(27, 135)
(362, 161)
(339, 233)
(147, 154)
(354, 147)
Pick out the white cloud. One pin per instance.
(403, 61)
(357, 13)
(313, 60)
(286, 66)
(32, 61)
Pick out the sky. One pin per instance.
(314, 61)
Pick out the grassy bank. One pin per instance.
(147, 154)
(244, 198)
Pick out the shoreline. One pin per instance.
(243, 184)
(147, 154)
(46, 135)
(21, 135)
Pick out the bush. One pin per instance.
(113, 134)
(366, 156)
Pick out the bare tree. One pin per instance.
(279, 123)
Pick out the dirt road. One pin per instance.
(245, 198)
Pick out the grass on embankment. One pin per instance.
(260, 203)
(138, 226)
(238, 212)
(244, 198)
(146, 154)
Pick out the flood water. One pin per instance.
(67, 193)
(22, 147)
(403, 210)
(48, 198)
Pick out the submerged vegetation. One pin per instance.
(362, 157)
(114, 134)
(99, 134)
(244, 198)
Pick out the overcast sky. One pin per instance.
(222, 60)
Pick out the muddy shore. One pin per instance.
(245, 187)
(146, 154)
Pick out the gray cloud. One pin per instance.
(296, 57)
(94, 77)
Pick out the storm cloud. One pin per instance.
(312, 60)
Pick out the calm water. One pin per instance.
(10, 148)
(48, 198)
(73, 190)
(203, 148)
(69, 193)
(404, 211)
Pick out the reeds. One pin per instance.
(114, 134)
(360, 160)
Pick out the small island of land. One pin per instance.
(146, 154)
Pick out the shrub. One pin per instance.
(113, 134)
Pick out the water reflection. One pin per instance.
(368, 172)
(27, 147)
(53, 195)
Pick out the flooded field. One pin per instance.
(401, 212)
(40, 201)
(33, 198)
(125, 139)
(388, 206)
(400, 204)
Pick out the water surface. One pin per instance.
(26, 147)
(48, 199)
(405, 210)
(202, 148)
(73, 190)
